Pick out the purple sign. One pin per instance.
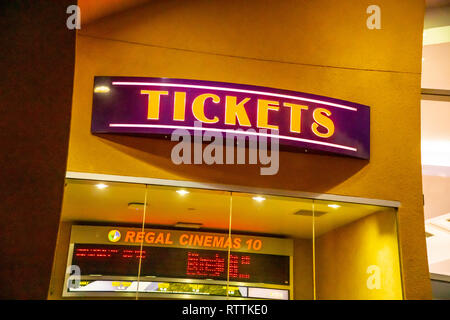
(158, 106)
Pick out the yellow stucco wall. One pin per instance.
(360, 260)
(320, 47)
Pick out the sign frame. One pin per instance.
(301, 121)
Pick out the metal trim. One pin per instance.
(230, 188)
(440, 277)
(435, 94)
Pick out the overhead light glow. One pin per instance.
(101, 89)
(436, 35)
(182, 192)
(259, 198)
(334, 206)
(101, 186)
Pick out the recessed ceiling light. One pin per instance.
(309, 213)
(101, 89)
(334, 206)
(182, 192)
(259, 198)
(101, 186)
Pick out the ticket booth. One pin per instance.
(170, 240)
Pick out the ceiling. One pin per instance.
(95, 10)
(84, 202)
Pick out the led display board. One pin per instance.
(113, 260)
(108, 260)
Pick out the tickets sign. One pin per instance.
(158, 106)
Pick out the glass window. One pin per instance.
(190, 259)
(280, 230)
(91, 258)
(137, 241)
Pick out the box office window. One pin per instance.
(129, 240)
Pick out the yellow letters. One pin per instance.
(263, 113)
(324, 121)
(296, 116)
(179, 106)
(198, 107)
(235, 111)
(153, 103)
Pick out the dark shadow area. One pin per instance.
(37, 56)
(297, 171)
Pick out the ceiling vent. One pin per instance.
(309, 213)
(136, 205)
(188, 225)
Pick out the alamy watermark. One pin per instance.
(74, 20)
(222, 146)
(374, 20)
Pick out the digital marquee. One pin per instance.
(116, 260)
